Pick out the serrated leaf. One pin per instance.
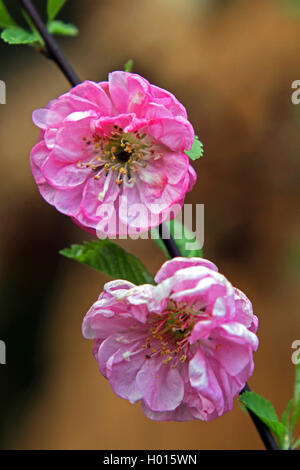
(264, 410)
(64, 29)
(128, 65)
(296, 444)
(16, 35)
(296, 399)
(109, 258)
(53, 8)
(196, 151)
(183, 237)
(5, 18)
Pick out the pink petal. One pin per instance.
(161, 386)
(232, 357)
(203, 379)
(38, 156)
(94, 93)
(69, 144)
(170, 267)
(123, 369)
(176, 133)
(129, 92)
(243, 308)
(105, 125)
(132, 211)
(64, 176)
(173, 165)
(238, 333)
(97, 325)
(97, 193)
(168, 100)
(181, 414)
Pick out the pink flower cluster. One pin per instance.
(109, 142)
(183, 347)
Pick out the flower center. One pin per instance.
(123, 153)
(123, 156)
(169, 333)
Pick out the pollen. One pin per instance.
(122, 153)
(170, 334)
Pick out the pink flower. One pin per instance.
(114, 147)
(183, 347)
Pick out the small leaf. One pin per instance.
(128, 66)
(296, 444)
(16, 35)
(243, 408)
(196, 150)
(109, 258)
(184, 239)
(64, 29)
(53, 8)
(33, 28)
(264, 410)
(296, 399)
(5, 18)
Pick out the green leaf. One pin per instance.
(128, 66)
(184, 239)
(285, 440)
(109, 258)
(196, 151)
(286, 414)
(59, 27)
(264, 410)
(296, 399)
(5, 18)
(33, 28)
(16, 35)
(53, 8)
(296, 444)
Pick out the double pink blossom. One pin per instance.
(111, 154)
(183, 347)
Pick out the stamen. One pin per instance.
(123, 154)
(170, 333)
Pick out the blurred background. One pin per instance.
(231, 63)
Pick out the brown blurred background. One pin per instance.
(232, 64)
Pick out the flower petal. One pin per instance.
(161, 386)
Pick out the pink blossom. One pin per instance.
(107, 146)
(183, 347)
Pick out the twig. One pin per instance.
(53, 49)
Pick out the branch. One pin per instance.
(53, 50)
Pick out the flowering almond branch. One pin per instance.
(175, 331)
